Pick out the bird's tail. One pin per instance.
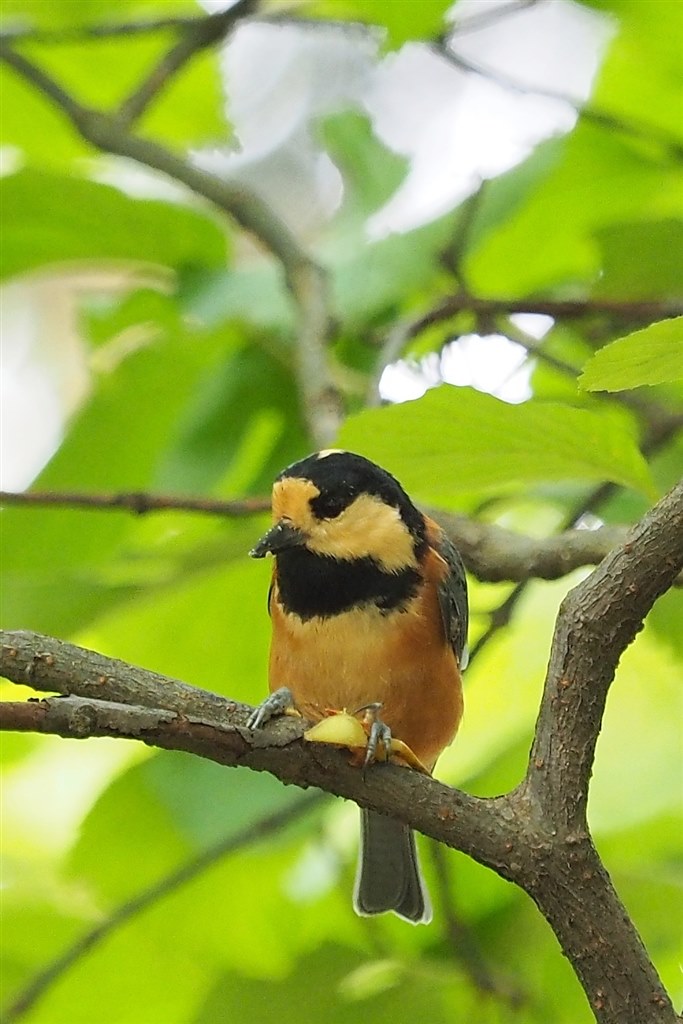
(388, 875)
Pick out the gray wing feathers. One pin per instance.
(453, 600)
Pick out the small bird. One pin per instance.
(369, 609)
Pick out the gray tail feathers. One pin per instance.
(388, 873)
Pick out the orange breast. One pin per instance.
(400, 659)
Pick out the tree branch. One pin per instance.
(196, 35)
(535, 836)
(483, 19)
(107, 30)
(106, 697)
(490, 552)
(495, 554)
(138, 502)
(596, 623)
(622, 310)
(464, 947)
(585, 111)
(305, 279)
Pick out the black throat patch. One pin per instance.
(316, 586)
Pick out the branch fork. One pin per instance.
(536, 836)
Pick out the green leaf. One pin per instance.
(370, 170)
(641, 260)
(62, 14)
(602, 179)
(34, 127)
(102, 72)
(154, 842)
(456, 439)
(145, 629)
(372, 277)
(402, 19)
(59, 564)
(243, 426)
(251, 294)
(207, 803)
(36, 927)
(644, 709)
(640, 77)
(50, 218)
(651, 356)
(338, 979)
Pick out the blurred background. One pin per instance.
(494, 190)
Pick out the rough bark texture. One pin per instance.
(535, 836)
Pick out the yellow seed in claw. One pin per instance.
(402, 754)
(342, 730)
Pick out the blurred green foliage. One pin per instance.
(192, 391)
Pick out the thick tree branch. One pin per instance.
(535, 836)
(491, 553)
(596, 623)
(106, 697)
(305, 279)
(494, 554)
(510, 833)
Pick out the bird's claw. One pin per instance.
(379, 736)
(280, 702)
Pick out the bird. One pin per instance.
(369, 609)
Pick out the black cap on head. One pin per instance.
(341, 476)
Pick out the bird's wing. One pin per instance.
(452, 592)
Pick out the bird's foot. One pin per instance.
(379, 734)
(280, 702)
(365, 735)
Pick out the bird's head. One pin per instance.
(340, 505)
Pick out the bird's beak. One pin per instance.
(280, 537)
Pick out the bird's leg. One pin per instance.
(380, 733)
(279, 702)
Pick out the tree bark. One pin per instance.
(536, 836)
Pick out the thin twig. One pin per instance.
(138, 502)
(490, 552)
(196, 36)
(404, 331)
(451, 258)
(49, 975)
(659, 434)
(621, 310)
(440, 46)
(658, 420)
(74, 33)
(464, 948)
(585, 111)
(484, 19)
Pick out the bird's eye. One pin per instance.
(329, 506)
